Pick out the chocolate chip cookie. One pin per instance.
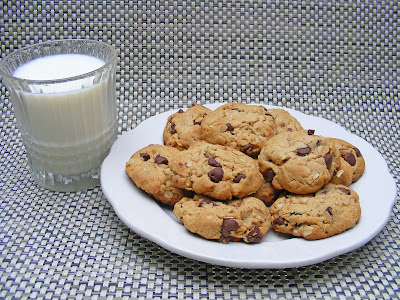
(352, 164)
(300, 161)
(184, 127)
(149, 170)
(240, 126)
(267, 193)
(217, 171)
(332, 210)
(284, 121)
(246, 219)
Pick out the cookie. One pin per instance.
(184, 127)
(301, 161)
(246, 219)
(217, 171)
(240, 126)
(332, 210)
(352, 164)
(149, 170)
(284, 121)
(267, 193)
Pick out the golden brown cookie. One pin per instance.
(352, 164)
(184, 127)
(332, 210)
(267, 193)
(284, 121)
(246, 219)
(149, 170)
(301, 161)
(217, 171)
(240, 126)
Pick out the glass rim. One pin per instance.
(60, 80)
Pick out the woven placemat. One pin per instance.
(336, 60)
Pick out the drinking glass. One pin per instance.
(68, 124)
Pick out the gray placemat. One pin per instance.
(336, 60)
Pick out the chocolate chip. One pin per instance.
(344, 190)
(239, 177)
(173, 130)
(310, 131)
(303, 151)
(161, 160)
(328, 160)
(180, 111)
(349, 157)
(197, 122)
(254, 235)
(358, 153)
(279, 221)
(216, 174)
(329, 210)
(206, 201)
(224, 240)
(269, 175)
(213, 162)
(245, 148)
(229, 225)
(229, 127)
(145, 156)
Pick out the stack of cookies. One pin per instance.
(232, 173)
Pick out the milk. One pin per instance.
(58, 66)
(68, 127)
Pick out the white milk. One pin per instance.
(70, 125)
(58, 66)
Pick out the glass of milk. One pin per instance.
(63, 95)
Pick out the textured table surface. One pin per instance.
(335, 60)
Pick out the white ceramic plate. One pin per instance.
(376, 188)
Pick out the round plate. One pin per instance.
(157, 223)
